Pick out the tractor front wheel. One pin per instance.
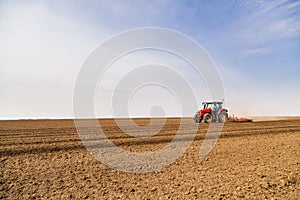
(197, 118)
(207, 118)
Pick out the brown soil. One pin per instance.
(42, 159)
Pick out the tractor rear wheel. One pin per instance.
(207, 118)
(223, 117)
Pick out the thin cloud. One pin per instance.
(257, 51)
(268, 23)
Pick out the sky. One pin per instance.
(255, 46)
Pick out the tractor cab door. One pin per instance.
(215, 107)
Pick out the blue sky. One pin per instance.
(255, 45)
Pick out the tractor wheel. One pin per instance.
(197, 119)
(207, 118)
(223, 117)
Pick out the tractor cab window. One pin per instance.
(213, 106)
(205, 106)
(217, 106)
(209, 105)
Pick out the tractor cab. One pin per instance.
(213, 106)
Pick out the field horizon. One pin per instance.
(255, 118)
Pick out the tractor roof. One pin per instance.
(210, 102)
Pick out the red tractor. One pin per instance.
(211, 112)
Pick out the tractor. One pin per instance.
(211, 112)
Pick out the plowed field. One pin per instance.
(45, 159)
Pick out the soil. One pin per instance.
(45, 159)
